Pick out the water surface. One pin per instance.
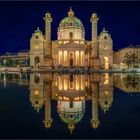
(49, 105)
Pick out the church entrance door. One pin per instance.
(71, 61)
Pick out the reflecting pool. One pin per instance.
(46, 105)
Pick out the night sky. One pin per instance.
(18, 20)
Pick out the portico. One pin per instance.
(70, 54)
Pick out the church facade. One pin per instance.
(71, 49)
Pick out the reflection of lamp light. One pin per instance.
(65, 84)
(66, 98)
(121, 64)
(106, 82)
(82, 98)
(77, 98)
(36, 92)
(106, 79)
(60, 83)
(60, 98)
(55, 83)
(106, 93)
(77, 83)
(36, 46)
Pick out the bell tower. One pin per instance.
(37, 49)
(105, 50)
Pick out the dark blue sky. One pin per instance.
(20, 19)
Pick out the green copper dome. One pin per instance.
(71, 21)
(71, 117)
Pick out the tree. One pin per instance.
(130, 59)
(134, 59)
(7, 62)
(131, 81)
(1, 62)
(126, 59)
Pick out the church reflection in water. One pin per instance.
(71, 91)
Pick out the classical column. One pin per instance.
(58, 58)
(95, 92)
(79, 58)
(74, 60)
(48, 20)
(64, 62)
(48, 120)
(80, 82)
(94, 21)
(68, 58)
(63, 58)
(48, 46)
(55, 60)
(63, 81)
(94, 53)
(83, 58)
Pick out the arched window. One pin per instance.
(106, 62)
(105, 37)
(71, 35)
(36, 79)
(71, 78)
(36, 61)
(71, 104)
(106, 102)
(36, 37)
(70, 24)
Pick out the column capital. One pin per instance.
(94, 17)
(48, 17)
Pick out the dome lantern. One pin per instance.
(71, 21)
(71, 13)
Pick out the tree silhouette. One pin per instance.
(131, 59)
